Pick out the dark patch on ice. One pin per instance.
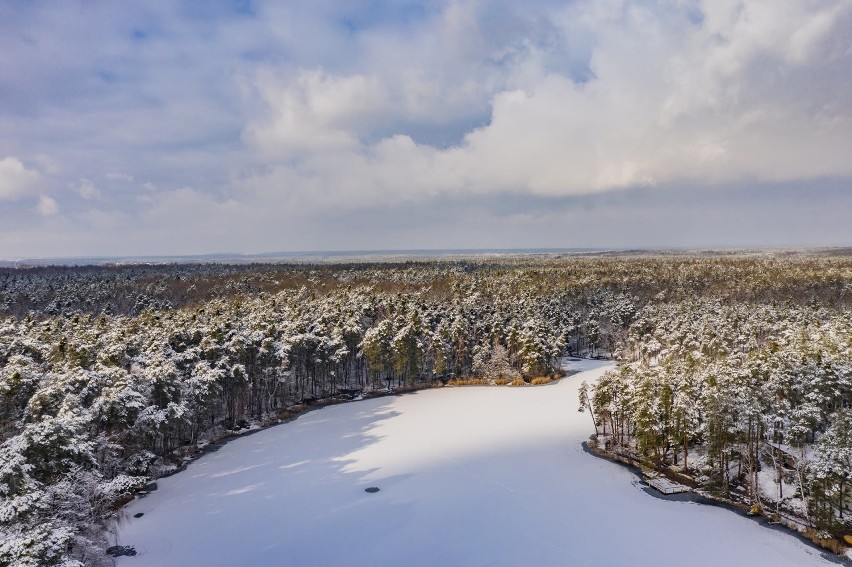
(119, 550)
(146, 490)
(696, 498)
(372, 489)
(138, 514)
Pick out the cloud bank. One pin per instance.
(16, 181)
(256, 126)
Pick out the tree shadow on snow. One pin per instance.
(269, 497)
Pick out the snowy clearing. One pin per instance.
(467, 476)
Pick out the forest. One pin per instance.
(750, 401)
(113, 376)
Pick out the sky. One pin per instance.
(168, 128)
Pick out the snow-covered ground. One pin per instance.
(468, 476)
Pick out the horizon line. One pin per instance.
(257, 257)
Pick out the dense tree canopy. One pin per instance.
(112, 376)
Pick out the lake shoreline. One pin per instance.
(291, 414)
(708, 500)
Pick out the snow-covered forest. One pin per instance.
(113, 376)
(750, 400)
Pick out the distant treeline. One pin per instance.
(130, 289)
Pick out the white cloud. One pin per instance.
(16, 181)
(720, 100)
(87, 190)
(47, 206)
(314, 112)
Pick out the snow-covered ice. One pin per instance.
(468, 476)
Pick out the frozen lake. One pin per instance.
(467, 476)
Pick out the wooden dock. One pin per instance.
(666, 486)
